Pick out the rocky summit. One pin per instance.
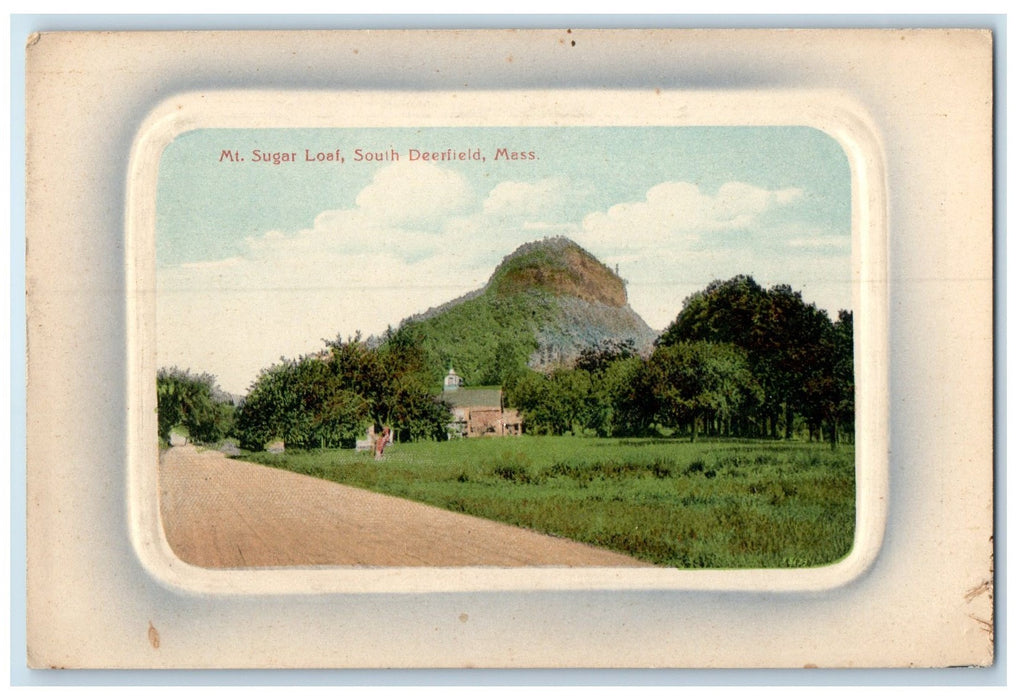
(544, 304)
(560, 267)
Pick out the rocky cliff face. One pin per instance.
(543, 305)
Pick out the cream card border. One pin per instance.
(912, 110)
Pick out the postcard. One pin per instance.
(478, 362)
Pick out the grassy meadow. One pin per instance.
(708, 504)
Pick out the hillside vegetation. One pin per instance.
(543, 305)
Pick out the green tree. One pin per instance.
(795, 335)
(576, 402)
(625, 390)
(194, 402)
(329, 399)
(726, 312)
(564, 401)
(413, 412)
(597, 358)
(615, 400)
(700, 383)
(355, 367)
(531, 395)
(843, 413)
(784, 339)
(829, 390)
(289, 402)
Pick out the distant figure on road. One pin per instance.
(383, 439)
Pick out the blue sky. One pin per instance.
(256, 260)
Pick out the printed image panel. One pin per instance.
(506, 346)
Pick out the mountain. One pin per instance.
(543, 305)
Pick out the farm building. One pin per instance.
(478, 412)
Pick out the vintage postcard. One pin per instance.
(513, 349)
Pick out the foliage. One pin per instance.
(555, 404)
(828, 390)
(544, 303)
(301, 403)
(601, 355)
(791, 349)
(193, 402)
(609, 400)
(686, 384)
(722, 504)
(487, 339)
(694, 382)
(629, 399)
(329, 399)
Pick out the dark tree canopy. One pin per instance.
(602, 354)
(791, 348)
(700, 380)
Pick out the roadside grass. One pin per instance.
(709, 504)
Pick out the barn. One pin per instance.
(478, 412)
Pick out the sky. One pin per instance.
(269, 242)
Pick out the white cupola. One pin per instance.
(452, 380)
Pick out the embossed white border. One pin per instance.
(828, 112)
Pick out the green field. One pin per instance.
(709, 504)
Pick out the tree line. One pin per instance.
(325, 400)
(738, 361)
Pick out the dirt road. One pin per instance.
(223, 513)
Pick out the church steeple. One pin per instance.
(452, 380)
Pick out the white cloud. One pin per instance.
(399, 213)
(512, 213)
(414, 193)
(525, 199)
(679, 238)
(354, 269)
(418, 237)
(737, 204)
(677, 211)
